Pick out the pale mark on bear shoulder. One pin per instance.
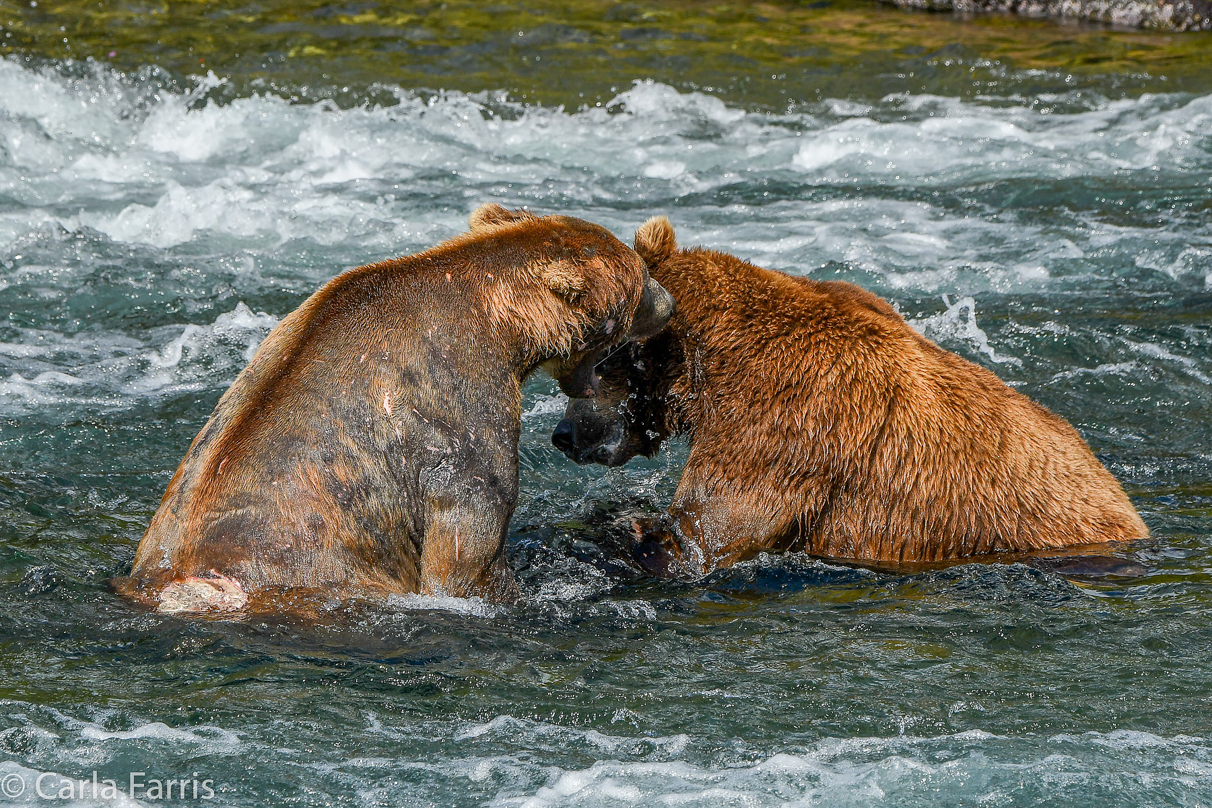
(201, 595)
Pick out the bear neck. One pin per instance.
(716, 295)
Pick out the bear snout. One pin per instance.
(610, 452)
(590, 443)
(582, 381)
(565, 437)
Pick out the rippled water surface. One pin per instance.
(150, 236)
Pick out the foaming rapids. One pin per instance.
(969, 767)
(111, 369)
(500, 762)
(135, 196)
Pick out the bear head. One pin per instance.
(630, 415)
(594, 293)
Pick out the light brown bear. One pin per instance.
(370, 447)
(819, 421)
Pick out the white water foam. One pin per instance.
(1153, 351)
(958, 322)
(109, 368)
(508, 726)
(56, 752)
(546, 405)
(108, 169)
(956, 140)
(212, 738)
(474, 607)
(524, 761)
(159, 731)
(263, 165)
(970, 768)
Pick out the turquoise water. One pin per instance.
(149, 238)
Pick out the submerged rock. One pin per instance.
(1168, 15)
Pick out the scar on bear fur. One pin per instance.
(819, 421)
(370, 447)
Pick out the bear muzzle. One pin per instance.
(604, 447)
(582, 381)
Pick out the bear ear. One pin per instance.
(565, 280)
(493, 215)
(655, 241)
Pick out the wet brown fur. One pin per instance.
(370, 447)
(819, 421)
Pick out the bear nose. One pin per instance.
(565, 436)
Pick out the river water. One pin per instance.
(152, 232)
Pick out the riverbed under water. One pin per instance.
(151, 235)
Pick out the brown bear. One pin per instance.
(370, 447)
(819, 421)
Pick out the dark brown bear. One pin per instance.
(819, 421)
(370, 447)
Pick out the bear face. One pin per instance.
(578, 373)
(586, 268)
(629, 416)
